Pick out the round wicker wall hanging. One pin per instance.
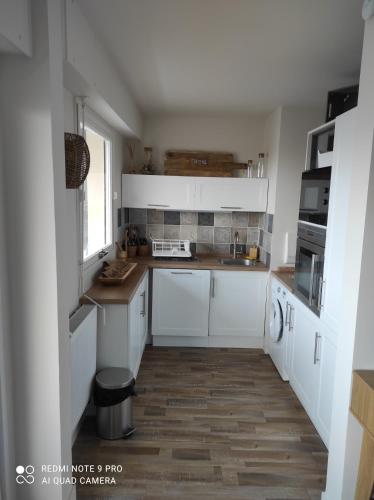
(77, 160)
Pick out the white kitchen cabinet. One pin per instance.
(237, 304)
(180, 304)
(326, 361)
(337, 229)
(312, 367)
(304, 367)
(166, 192)
(240, 195)
(162, 192)
(122, 336)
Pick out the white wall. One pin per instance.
(15, 25)
(31, 101)
(7, 460)
(119, 158)
(240, 135)
(284, 188)
(356, 340)
(107, 93)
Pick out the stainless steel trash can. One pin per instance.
(114, 388)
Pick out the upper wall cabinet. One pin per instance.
(240, 195)
(194, 193)
(158, 191)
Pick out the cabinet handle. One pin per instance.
(213, 288)
(142, 312)
(156, 205)
(232, 208)
(175, 272)
(311, 279)
(316, 342)
(320, 293)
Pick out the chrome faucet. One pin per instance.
(236, 241)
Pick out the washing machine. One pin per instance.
(278, 337)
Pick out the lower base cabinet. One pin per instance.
(180, 304)
(122, 334)
(312, 367)
(208, 308)
(237, 303)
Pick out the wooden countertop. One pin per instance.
(286, 276)
(362, 402)
(209, 262)
(123, 294)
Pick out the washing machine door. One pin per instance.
(276, 321)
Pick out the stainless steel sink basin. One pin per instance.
(237, 262)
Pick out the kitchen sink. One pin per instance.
(237, 262)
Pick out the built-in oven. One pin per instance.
(310, 252)
(314, 197)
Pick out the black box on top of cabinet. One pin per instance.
(341, 100)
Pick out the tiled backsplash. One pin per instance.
(266, 230)
(209, 232)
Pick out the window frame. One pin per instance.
(97, 126)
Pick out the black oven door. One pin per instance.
(309, 273)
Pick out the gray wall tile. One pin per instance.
(242, 231)
(222, 235)
(188, 233)
(189, 218)
(253, 235)
(172, 218)
(155, 231)
(254, 219)
(205, 234)
(171, 232)
(206, 219)
(240, 219)
(222, 249)
(155, 216)
(138, 216)
(223, 219)
(204, 248)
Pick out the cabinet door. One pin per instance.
(326, 361)
(112, 340)
(138, 310)
(304, 374)
(158, 192)
(180, 302)
(237, 304)
(242, 195)
(337, 229)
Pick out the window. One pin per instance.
(97, 206)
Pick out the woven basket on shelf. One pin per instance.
(77, 160)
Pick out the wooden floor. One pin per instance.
(211, 424)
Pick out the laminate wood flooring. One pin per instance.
(211, 424)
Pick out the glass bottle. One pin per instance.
(261, 165)
(250, 168)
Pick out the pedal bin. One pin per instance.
(114, 388)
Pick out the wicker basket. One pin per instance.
(77, 160)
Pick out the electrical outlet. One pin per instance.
(115, 196)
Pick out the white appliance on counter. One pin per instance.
(279, 329)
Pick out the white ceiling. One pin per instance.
(230, 56)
